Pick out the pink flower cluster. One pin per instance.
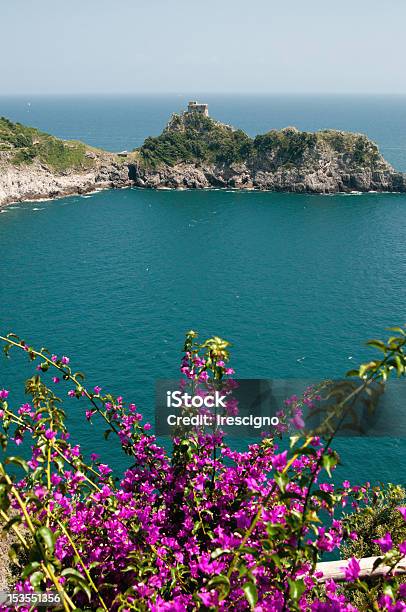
(201, 527)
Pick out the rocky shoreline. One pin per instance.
(241, 177)
(37, 182)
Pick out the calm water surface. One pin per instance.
(115, 279)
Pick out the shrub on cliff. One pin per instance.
(196, 139)
(204, 527)
(30, 144)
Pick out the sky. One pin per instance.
(224, 46)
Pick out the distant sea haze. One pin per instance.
(119, 123)
(296, 282)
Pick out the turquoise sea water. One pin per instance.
(296, 282)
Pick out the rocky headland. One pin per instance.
(35, 165)
(194, 152)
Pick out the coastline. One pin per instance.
(195, 152)
(47, 198)
(91, 190)
(35, 182)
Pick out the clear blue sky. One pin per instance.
(137, 46)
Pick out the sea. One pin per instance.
(296, 283)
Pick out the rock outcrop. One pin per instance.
(36, 165)
(36, 180)
(199, 153)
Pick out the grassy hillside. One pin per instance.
(25, 144)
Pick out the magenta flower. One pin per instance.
(55, 479)
(352, 570)
(55, 379)
(97, 390)
(401, 509)
(385, 602)
(147, 426)
(279, 461)
(18, 439)
(297, 420)
(209, 598)
(65, 360)
(385, 542)
(49, 434)
(71, 393)
(4, 394)
(104, 469)
(94, 456)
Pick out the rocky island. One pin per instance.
(194, 151)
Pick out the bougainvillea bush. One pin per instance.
(202, 527)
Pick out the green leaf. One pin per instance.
(293, 440)
(4, 500)
(15, 520)
(14, 553)
(397, 330)
(366, 367)
(400, 367)
(274, 529)
(218, 552)
(18, 461)
(281, 480)
(78, 579)
(47, 536)
(325, 496)
(72, 572)
(251, 593)
(36, 578)
(29, 569)
(277, 560)
(377, 344)
(222, 582)
(296, 588)
(387, 590)
(329, 461)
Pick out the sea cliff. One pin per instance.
(35, 165)
(194, 152)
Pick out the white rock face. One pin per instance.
(35, 181)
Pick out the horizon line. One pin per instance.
(201, 93)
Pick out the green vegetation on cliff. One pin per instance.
(26, 144)
(197, 139)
